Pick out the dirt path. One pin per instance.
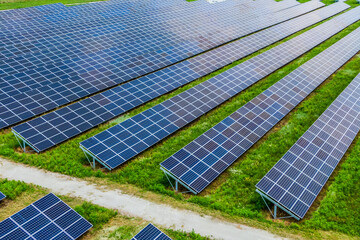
(159, 214)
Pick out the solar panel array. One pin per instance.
(84, 13)
(297, 178)
(23, 42)
(47, 218)
(2, 196)
(111, 103)
(115, 41)
(102, 11)
(91, 74)
(150, 232)
(25, 14)
(118, 144)
(172, 29)
(67, 39)
(204, 159)
(99, 10)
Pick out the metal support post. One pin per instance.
(176, 187)
(274, 214)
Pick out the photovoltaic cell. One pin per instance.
(47, 218)
(130, 40)
(81, 33)
(26, 17)
(91, 12)
(86, 13)
(2, 196)
(89, 81)
(297, 178)
(150, 232)
(100, 11)
(87, 74)
(24, 14)
(125, 140)
(102, 107)
(204, 159)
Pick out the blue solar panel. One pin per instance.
(86, 81)
(150, 232)
(116, 101)
(34, 39)
(47, 218)
(25, 14)
(204, 159)
(127, 139)
(70, 121)
(48, 72)
(97, 11)
(297, 178)
(85, 13)
(2, 196)
(128, 42)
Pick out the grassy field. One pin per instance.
(232, 194)
(107, 223)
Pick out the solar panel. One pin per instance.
(297, 178)
(85, 12)
(113, 57)
(131, 41)
(24, 14)
(89, 77)
(2, 196)
(116, 101)
(101, 10)
(105, 9)
(150, 232)
(199, 163)
(35, 39)
(47, 218)
(127, 139)
(77, 86)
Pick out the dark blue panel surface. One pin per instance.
(2, 196)
(319, 151)
(121, 142)
(150, 232)
(35, 91)
(77, 118)
(220, 146)
(47, 218)
(118, 100)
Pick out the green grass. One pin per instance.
(233, 192)
(178, 235)
(96, 215)
(124, 233)
(13, 189)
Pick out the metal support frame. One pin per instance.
(276, 206)
(23, 143)
(92, 159)
(177, 181)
